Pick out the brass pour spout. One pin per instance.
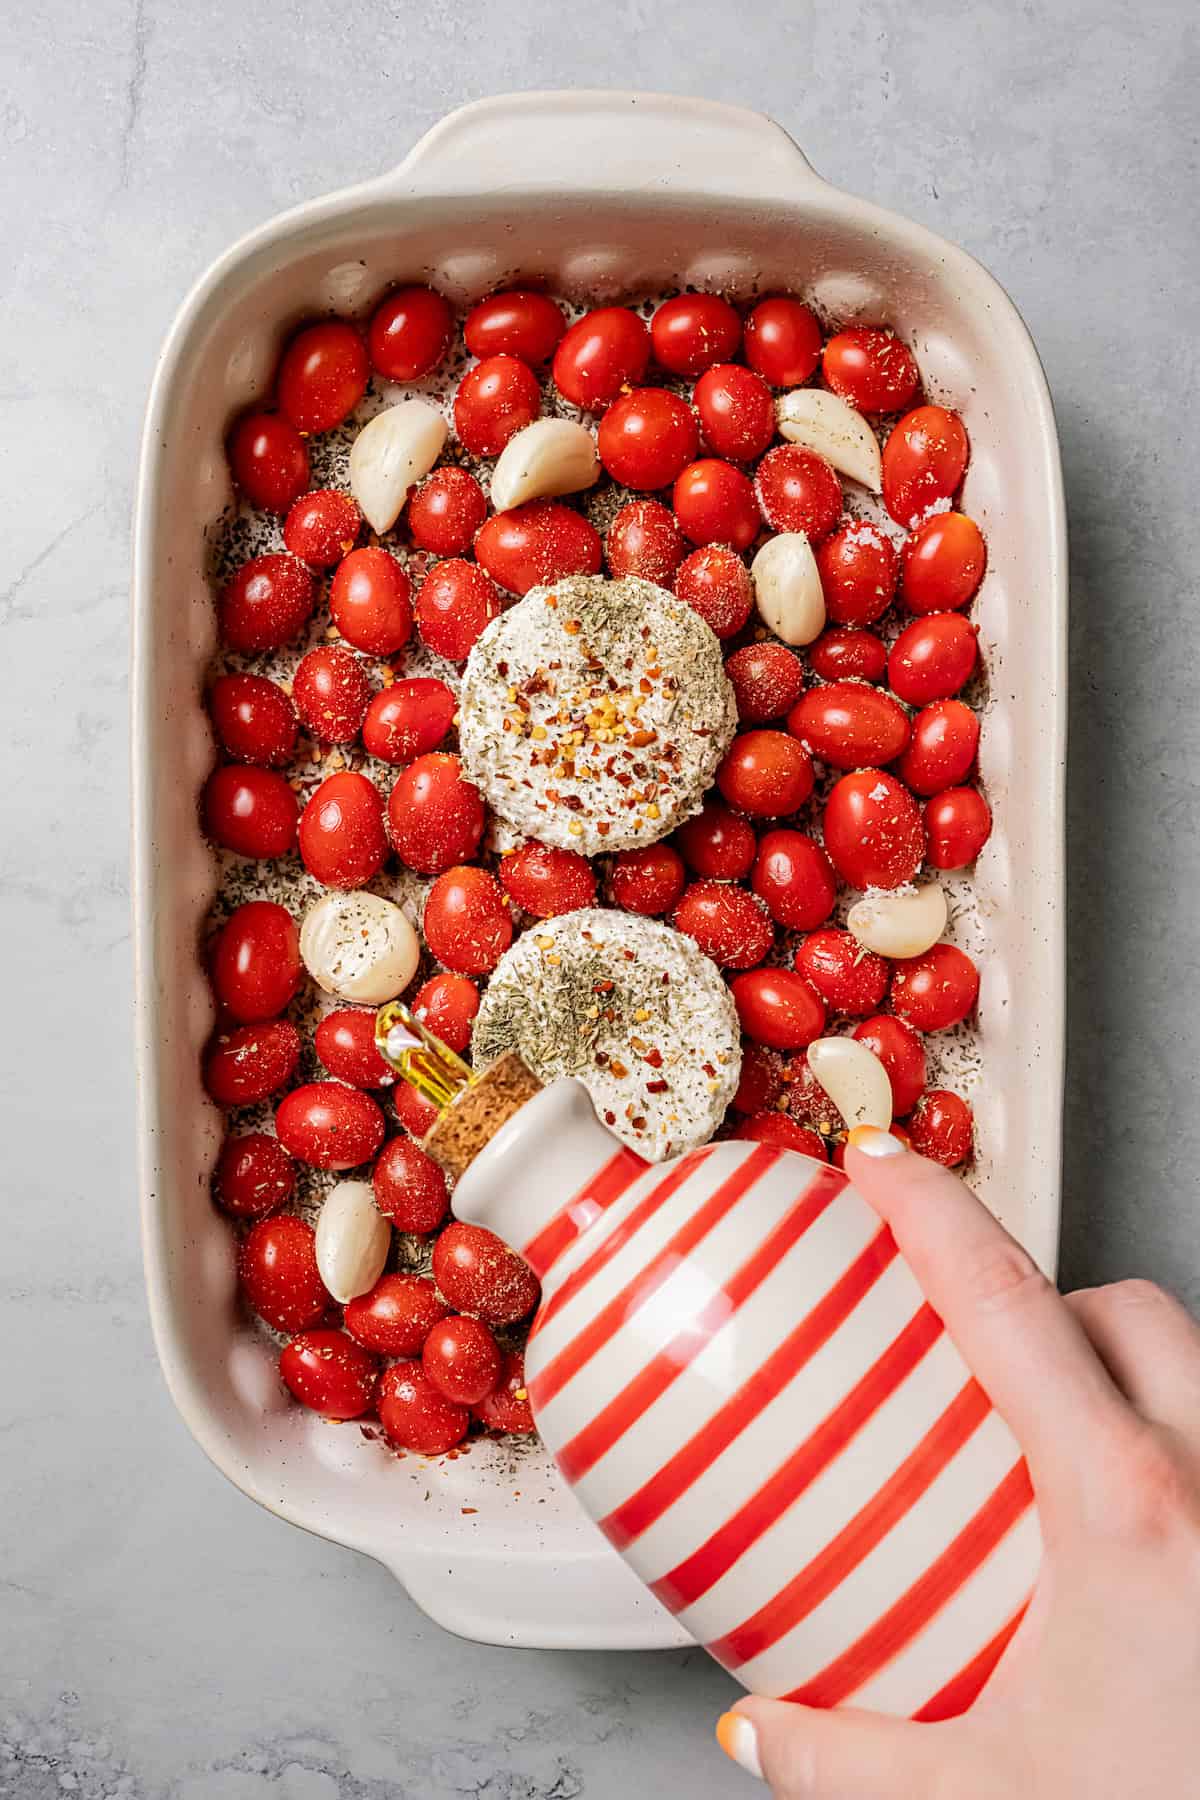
(419, 1057)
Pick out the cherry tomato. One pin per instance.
(495, 400)
(266, 604)
(809, 1104)
(250, 810)
(254, 1175)
(729, 924)
(446, 511)
(850, 980)
(794, 879)
(958, 824)
(798, 491)
(456, 602)
(397, 1315)
(467, 924)
(924, 461)
(603, 352)
(761, 1081)
(545, 881)
(329, 1126)
(766, 773)
(256, 965)
(648, 880)
(331, 692)
(783, 341)
(842, 654)
(767, 681)
(478, 1273)
(370, 602)
(322, 376)
(415, 1415)
(717, 843)
(417, 1114)
(519, 322)
(693, 331)
(537, 544)
(321, 527)
(871, 368)
(251, 1062)
(715, 582)
(942, 563)
(253, 718)
(646, 437)
(408, 719)
(945, 737)
(268, 461)
(409, 333)
(848, 725)
(410, 1188)
(935, 990)
(446, 1005)
(277, 1270)
(778, 1128)
(342, 839)
(943, 1128)
(345, 1042)
(436, 817)
(857, 566)
(933, 658)
(736, 412)
(873, 831)
(714, 504)
(330, 1373)
(645, 540)
(462, 1359)
(507, 1407)
(777, 1007)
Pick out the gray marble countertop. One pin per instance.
(159, 1635)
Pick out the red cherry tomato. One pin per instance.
(935, 990)
(942, 563)
(736, 412)
(507, 1407)
(266, 604)
(321, 527)
(943, 1128)
(933, 658)
(715, 582)
(924, 461)
(808, 1102)
(253, 719)
(410, 1188)
(495, 400)
(766, 773)
(256, 965)
(794, 879)
(329, 1126)
(783, 341)
(767, 681)
(479, 1274)
(519, 322)
(778, 1128)
(727, 923)
(268, 461)
(456, 602)
(331, 692)
(603, 352)
(254, 1176)
(415, 1415)
(342, 839)
(277, 1270)
(345, 1042)
(536, 544)
(370, 602)
(717, 843)
(417, 1114)
(850, 980)
(857, 566)
(330, 1373)
(873, 831)
(545, 881)
(714, 504)
(945, 737)
(250, 1063)
(871, 368)
(798, 491)
(249, 810)
(408, 719)
(446, 511)
(446, 1005)
(409, 333)
(646, 437)
(761, 1081)
(322, 375)
(842, 654)
(436, 817)
(901, 1050)
(778, 1008)
(462, 1359)
(645, 540)
(693, 331)
(958, 824)
(397, 1315)
(467, 924)
(648, 880)
(848, 725)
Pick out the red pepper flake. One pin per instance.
(708, 1068)
(639, 1124)
(654, 1058)
(618, 1068)
(602, 987)
(656, 1087)
(610, 1118)
(468, 1509)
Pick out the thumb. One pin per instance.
(805, 1754)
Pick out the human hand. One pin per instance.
(1097, 1696)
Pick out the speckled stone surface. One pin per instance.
(160, 1637)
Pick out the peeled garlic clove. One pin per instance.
(829, 425)
(551, 456)
(352, 1240)
(899, 924)
(855, 1080)
(787, 588)
(390, 455)
(359, 946)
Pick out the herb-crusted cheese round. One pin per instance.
(630, 1007)
(594, 713)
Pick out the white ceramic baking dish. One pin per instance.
(604, 195)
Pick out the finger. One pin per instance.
(803, 1754)
(1150, 1346)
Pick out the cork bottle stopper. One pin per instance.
(477, 1112)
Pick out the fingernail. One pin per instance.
(739, 1740)
(873, 1142)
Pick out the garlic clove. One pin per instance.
(855, 1080)
(359, 946)
(390, 455)
(899, 924)
(352, 1240)
(830, 425)
(551, 456)
(787, 588)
